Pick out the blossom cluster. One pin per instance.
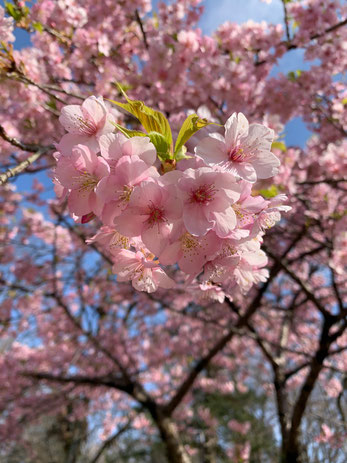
(203, 215)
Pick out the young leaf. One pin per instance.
(269, 192)
(161, 145)
(130, 133)
(37, 26)
(190, 126)
(13, 11)
(279, 145)
(152, 120)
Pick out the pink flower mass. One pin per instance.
(182, 216)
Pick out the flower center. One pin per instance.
(87, 127)
(237, 154)
(156, 214)
(126, 193)
(203, 195)
(86, 181)
(119, 241)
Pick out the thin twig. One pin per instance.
(140, 23)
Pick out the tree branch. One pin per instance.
(140, 23)
(306, 289)
(110, 441)
(37, 151)
(286, 20)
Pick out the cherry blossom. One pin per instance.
(245, 150)
(208, 195)
(81, 172)
(85, 123)
(141, 268)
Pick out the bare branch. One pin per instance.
(111, 440)
(306, 289)
(286, 21)
(37, 151)
(139, 21)
(108, 381)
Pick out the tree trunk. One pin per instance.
(293, 451)
(175, 451)
(208, 452)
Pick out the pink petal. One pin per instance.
(235, 127)
(70, 118)
(101, 169)
(258, 258)
(266, 164)
(111, 146)
(195, 220)
(245, 170)
(70, 140)
(130, 222)
(94, 109)
(145, 282)
(123, 258)
(162, 279)
(142, 147)
(225, 222)
(156, 237)
(211, 150)
(259, 137)
(170, 253)
(78, 202)
(145, 194)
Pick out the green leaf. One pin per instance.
(291, 76)
(181, 154)
(269, 192)
(155, 20)
(279, 145)
(128, 132)
(38, 27)
(294, 75)
(190, 126)
(152, 120)
(13, 11)
(123, 86)
(161, 145)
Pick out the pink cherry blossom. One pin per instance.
(191, 252)
(110, 238)
(85, 124)
(151, 211)
(208, 195)
(244, 151)
(114, 191)
(141, 268)
(114, 146)
(81, 172)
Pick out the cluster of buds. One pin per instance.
(160, 206)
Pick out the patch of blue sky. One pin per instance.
(220, 11)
